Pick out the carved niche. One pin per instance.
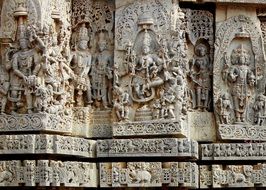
(92, 45)
(239, 76)
(149, 84)
(200, 45)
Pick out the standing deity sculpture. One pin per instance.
(260, 109)
(102, 74)
(200, 75)
(241, 80)
(25, 69)
(224, 105)
(5, 66)
(81, 65)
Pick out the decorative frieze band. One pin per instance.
(149, 174)
(47, 144)
(233, 151)
(152, 128)
(218, 176)
(48, 173)
(242, 132)
(163, 147)
(78, 121)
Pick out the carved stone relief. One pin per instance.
(48, 172)
(239, 70)
(149, 174)
(230, 176)
(166, 147)
(102, 81)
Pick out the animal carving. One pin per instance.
(140, 176)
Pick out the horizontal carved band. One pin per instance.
(149, 174)
(48, 173)
(79, 121)
(233, 151)
(242, 132)
(218, 176)
(154, 128)
(165, 147)
(47, 144)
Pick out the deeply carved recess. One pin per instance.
(163, 147)
(239, 77)
(200, 36)
(47, 144)
(149, 174)
(48, 173)
(233, 151)
(218, 176)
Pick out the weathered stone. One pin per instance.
(202, 126)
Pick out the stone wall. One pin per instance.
(132, 94)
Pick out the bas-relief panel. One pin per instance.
(158, 75)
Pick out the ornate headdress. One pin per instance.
(22, 32)
(238, 52)
(83, 33)
(102, 38)
(146, 39)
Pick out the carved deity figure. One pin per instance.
(55, 68)
(242, 80)
(200, 75)
(102, 73)
(168, 103)
(25, 71)
(260, 109)
(121, 104)
(4, 87)
(147, 67)
(225, 107)
(81, 65)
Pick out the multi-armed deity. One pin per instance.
(155, 82)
